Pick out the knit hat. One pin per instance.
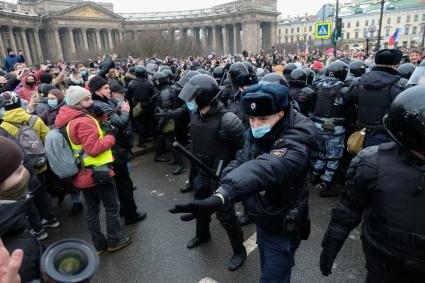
(12, 157)
(46, 78)
(96, 83)
(388, 57)
(58, 93)
(45, 88)
(12, 100)
(264, 100)
(76, 94)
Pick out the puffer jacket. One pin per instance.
(83, 130)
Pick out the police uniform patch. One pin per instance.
(253, 105)
(279, 152)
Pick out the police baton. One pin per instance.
(189, 155)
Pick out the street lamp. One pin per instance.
(368, 34)
(378, 45)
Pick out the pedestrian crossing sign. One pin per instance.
(323, 30)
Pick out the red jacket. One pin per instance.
(83, 130)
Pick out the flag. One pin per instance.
(306, 48)
(394, 37)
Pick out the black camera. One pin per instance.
(68, 261)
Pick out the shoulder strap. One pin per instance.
(32, 120)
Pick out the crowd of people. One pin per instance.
(265, 123)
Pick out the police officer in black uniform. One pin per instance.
(374, 93)
(385, 188)
(300, 92)
(268, 175)
(288, 70)
(231, 92)
(329, 116)
(357, 70)
(216, 134)
(405, 70)
(166, 107)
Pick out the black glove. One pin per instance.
(198, 208)
(327, 258)
(110, 130)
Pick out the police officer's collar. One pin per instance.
(386, 69)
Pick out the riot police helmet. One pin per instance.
(159, 78)
(218, 73)
(140, 71)
(168, 73)
(298, 78)
(418, 76)
(203, 71)
(186, 77)
(405, 121)
(289, 68)
(310, 75)
(406, 70)
(358, 68)
(338, 70)
(249, 67)
(236, 70)
(203, 89)
(276, 78)
(164, 67)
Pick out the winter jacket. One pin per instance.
(83, 131)
(49, 115)
(140, 90)
(10, 85)
(15, 236)
(19, 116)
(10, 61)
(25, 91)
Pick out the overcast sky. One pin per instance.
(286, 7)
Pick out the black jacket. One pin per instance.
(274, 164)
(140, 90)
(15, 236)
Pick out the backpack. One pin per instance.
(31, 143)
(60, 154)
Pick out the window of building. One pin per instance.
(280, 39)
(310, 28)
(405, 44)
(292, 39)
(387, 32)
(347, 35)
(408, 19)
(305, 29)
(286, 40)
(388, 21)
(292, 30)
(286, 31)
(412, 44)
(416, 18)
(298, 30)
(423, 17)
(348, 25)
(366, 23)
(406, 30)
(398, 19)
(343, 24)
(357, 24)
(414, 30)
(373, 22)
(356, 35)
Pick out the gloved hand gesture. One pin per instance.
(327, 258)
(198, 207)
(109, 129)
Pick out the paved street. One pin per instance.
(159, 254)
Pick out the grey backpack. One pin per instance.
(31, 143)
(60, 155)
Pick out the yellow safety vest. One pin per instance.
(102, 159)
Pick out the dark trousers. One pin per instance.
(125, 190)
(146, 123)
(276, 257)
(165, 142)
(42, 199)
(33, 216)
(227, 216)
(107, 195)
(381, 269)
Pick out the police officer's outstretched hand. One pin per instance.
(327, 258)
(198, 208)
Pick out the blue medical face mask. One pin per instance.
(191, 105)
(2, 111)
(260, 131)
(52, 103)
(66, 100)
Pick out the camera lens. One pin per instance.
(69, 261)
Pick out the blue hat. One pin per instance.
(264, 100)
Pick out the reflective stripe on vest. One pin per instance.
(102, 159)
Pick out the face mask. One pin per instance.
(65, 99)
(191, 105)
(30, 83)
(119, 102)
(52, 103)
(91, 108)
(18, 191)
(2, 111)
(261, 131)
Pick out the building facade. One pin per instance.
(62, 29)
(360, 21)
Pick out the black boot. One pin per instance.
(328, 190)
(237, 261)
(196, 241)
(202, 232)
(178, 171)
(186, 188)
(139, 216)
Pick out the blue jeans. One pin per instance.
(276, 256)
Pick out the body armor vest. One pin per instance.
(330, 103)
(373, 104)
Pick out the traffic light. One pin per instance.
(334, 36)
(338, 27)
